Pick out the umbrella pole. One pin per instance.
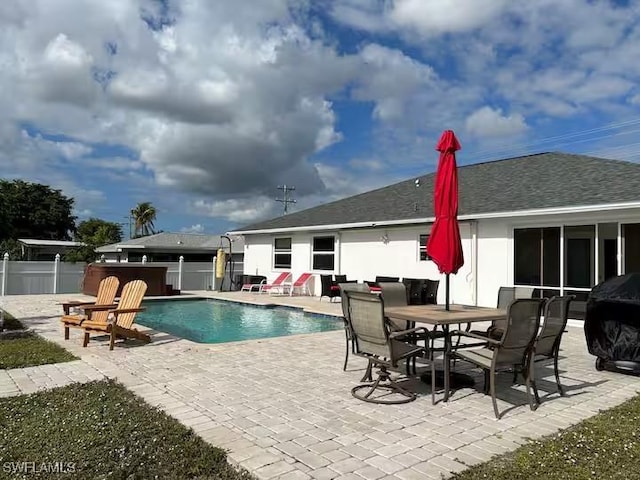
(446, 291)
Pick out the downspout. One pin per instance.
(338, 266)
(474, 260)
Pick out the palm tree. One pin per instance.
(144, 215)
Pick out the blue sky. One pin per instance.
(203, 108)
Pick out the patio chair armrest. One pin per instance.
(118, 311)
(476, 336)
(406, 332)
(100, 308)
(66, 306)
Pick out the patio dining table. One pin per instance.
(438, 317)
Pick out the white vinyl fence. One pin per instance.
(31, 278)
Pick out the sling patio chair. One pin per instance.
(506, 295)
(301, 285)
(394, 294)
(512, 351)
(330, 289)
(277, 285)
(349, 287)
(123, 315)
(547, 344)
(94, 311)
(382, 348)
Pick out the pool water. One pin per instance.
(215, 321)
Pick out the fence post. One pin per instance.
(180, 262)
(144, 259)
(5, 268)
(56, 272)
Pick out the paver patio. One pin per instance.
(283, 408)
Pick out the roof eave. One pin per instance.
(473, 216)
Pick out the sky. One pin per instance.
(204, 108)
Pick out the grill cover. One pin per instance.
(612, 320)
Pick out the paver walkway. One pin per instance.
(283, 408)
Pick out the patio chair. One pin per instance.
(512, 351)
(506, 295)
(547, 344)
(277, 284)
(330, 288)
(123, 315)
(105, 296)
(301, 285)
(349, 287)
(382, 348)
(421, 291)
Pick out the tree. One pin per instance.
(33, 210)
(143, 216)
(94, 233)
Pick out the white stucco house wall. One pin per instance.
(558, 222)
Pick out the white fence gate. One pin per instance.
(32, 278)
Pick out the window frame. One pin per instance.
(282, 251)
(327, 253)
(423, 249)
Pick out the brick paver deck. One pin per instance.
(282, 406)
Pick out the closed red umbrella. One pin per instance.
(444, 246)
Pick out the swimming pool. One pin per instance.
(217, 321)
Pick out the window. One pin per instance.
(422, 248)
(282, 253)
(537, 256)
(323, 253)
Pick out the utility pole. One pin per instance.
(286, 200)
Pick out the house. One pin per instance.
(45, 250)
(555, 221)
(169, 247)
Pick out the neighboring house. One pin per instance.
(169, 247)
(43, 250)
(558, 222)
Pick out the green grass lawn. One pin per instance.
(30, 350)
(101, 430)
(606, 446)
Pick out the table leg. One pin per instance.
(445, 359)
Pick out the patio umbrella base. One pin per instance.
(456, 380)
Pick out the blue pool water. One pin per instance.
(214, 321)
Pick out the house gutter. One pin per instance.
(475, 216)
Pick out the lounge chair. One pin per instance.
(301, 285)
(512, 351)
(382, 348)
(547, 345)
(123, 315)
(94, 311)
(277, 285)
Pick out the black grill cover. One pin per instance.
(612, 320)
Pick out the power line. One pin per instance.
(286, 198)
(557, 141)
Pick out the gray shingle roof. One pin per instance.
(177, 241)
(544, 180)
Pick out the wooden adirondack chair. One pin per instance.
(95, 311)
(123, 315)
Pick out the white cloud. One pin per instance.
(197, 228)
(433, 17)
(490, 122)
